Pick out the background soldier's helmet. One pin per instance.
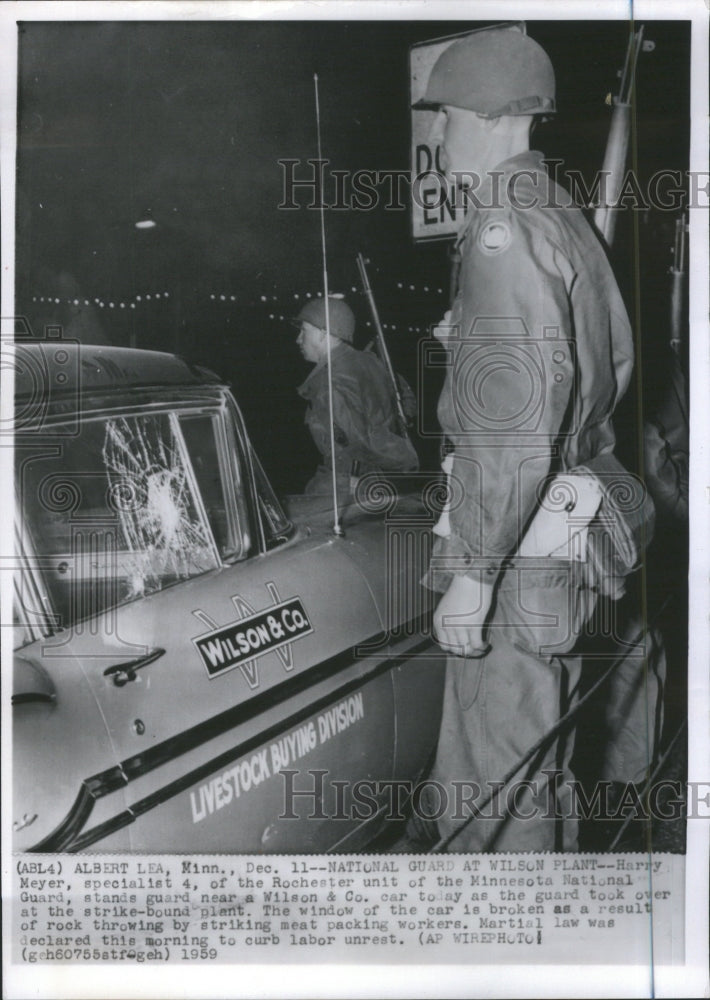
(342, 319)
(498, 71)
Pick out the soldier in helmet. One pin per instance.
(366, 431)
(540, 352)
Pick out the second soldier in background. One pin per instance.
(366, 432)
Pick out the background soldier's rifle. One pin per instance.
(381, 345)
(678, 271)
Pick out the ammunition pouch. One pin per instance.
(621, 529)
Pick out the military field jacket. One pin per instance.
(540, 353)
(365, 420)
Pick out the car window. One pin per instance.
(201, 433)
(277, 526)
(128, 506)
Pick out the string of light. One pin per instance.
(104, 302)
(101, 302)
(215, 296)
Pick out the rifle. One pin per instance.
(381, 345)
(617, 145)
(677, 272)
(454, 274)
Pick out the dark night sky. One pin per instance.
(185, 123)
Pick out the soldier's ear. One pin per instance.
(490, 124)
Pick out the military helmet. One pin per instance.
(342, 319)
(498, 71)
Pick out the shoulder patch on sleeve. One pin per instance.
(494, 237)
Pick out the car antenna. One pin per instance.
(337, 527)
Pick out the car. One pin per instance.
(194, 668)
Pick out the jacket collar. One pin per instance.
(529, 159)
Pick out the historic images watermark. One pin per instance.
(312, 794)
(311, 185)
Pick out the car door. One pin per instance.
(215, 665)
(394, 549)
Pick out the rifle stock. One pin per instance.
(613, 171)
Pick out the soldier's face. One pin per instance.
(310, 340)
(464, 139)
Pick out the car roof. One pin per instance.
(59, 368)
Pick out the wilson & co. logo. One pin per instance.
(242, 641)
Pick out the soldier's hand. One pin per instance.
(460, 616)
(444, 329)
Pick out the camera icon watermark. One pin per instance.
(500, 382)
(46, 372)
